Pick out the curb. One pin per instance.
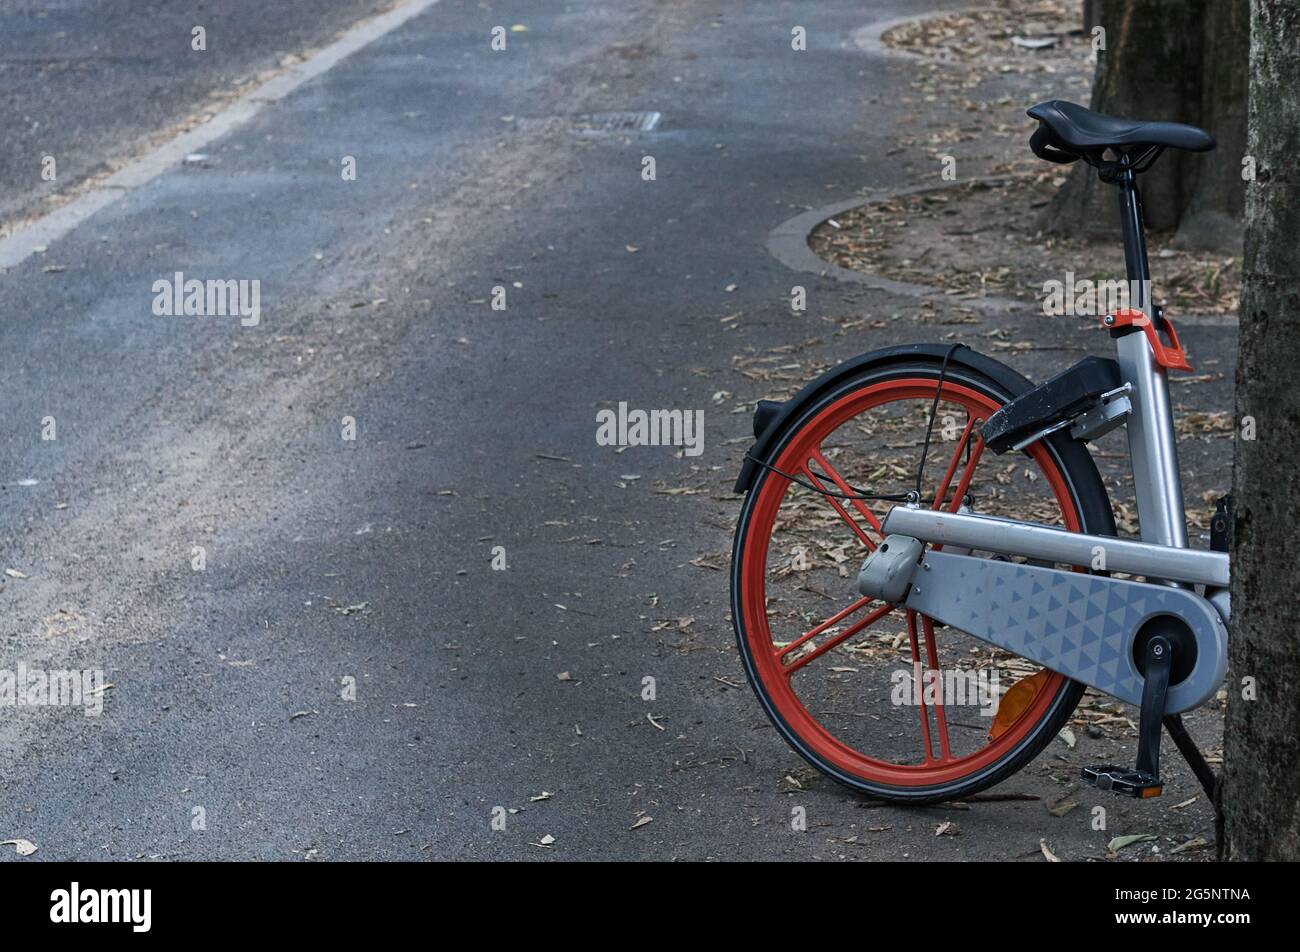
(788, 244)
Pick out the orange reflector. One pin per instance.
(1015, 702)
(1150, 792)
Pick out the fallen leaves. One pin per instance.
(718, 562)
(1063, 805)
(662, 490)
(924, 238)
(1034, 42)
(1119, 842)
(673, 624)
(21, 847)
(1205, 425)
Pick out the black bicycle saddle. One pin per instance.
(1068, 131)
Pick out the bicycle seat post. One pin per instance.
(1067, 132)
(1135, 241)
(1152, 445)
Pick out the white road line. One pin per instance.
(21, 244)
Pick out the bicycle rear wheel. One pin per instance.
(875, 696)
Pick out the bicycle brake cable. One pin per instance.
(857, 494)
(934, 409)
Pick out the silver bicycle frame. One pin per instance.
(1163, 555)
(967, 531)
(1080, 625)
(1151, 445)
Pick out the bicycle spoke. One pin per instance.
(941, 720)
(827, 645)
(918, 689)
(835, 619)
(941, 493)
(842, 485)
(838, 507)
(967, 475)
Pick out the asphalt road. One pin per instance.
(368, 561)
(91, 83)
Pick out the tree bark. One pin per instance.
(1181, 61)
(1261, 780)
(1213, 218)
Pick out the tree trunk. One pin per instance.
(1261, 781)
(1182, 61)
(1213, 218)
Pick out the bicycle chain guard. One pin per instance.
(1083, 626)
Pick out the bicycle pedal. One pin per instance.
(1123, 780)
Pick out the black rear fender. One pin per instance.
(772, 418)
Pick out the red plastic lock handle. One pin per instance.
(1170, 356)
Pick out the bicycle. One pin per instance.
(1016, 565)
